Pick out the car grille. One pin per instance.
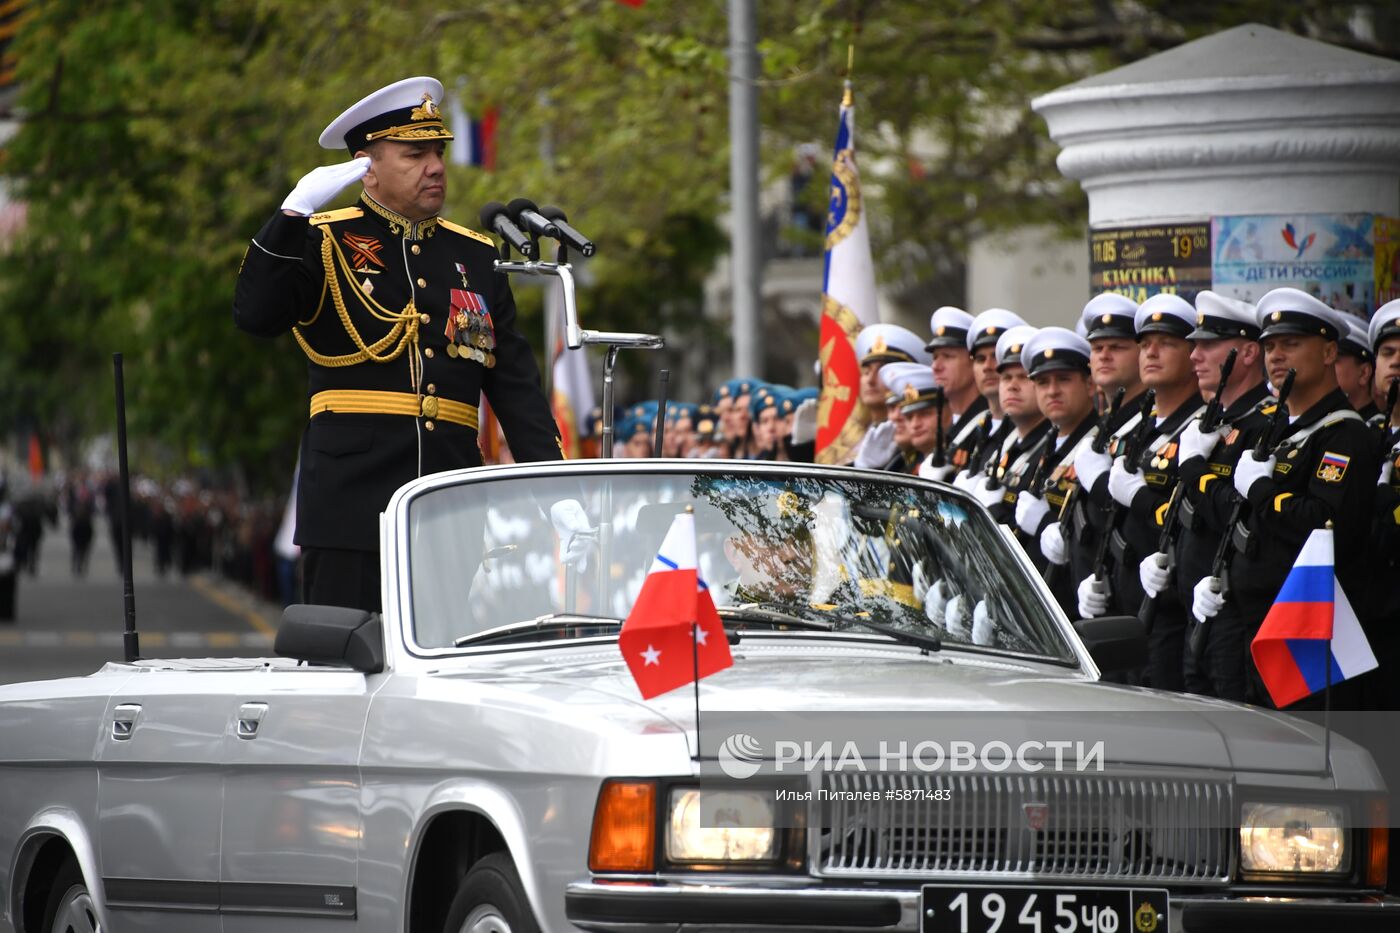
(1100, 828)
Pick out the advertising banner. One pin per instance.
(1330, 256)
(1141, 261)
(1387, 259)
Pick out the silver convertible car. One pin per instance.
(911, 736)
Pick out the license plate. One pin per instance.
(966, 908)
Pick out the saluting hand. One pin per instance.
(321, 184)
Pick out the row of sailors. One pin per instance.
(748, 420)
(1140, 504)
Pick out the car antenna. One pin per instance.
(130, 640)
(660, 434)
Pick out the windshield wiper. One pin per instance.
(553, 622)
(751, 612)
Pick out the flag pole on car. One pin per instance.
(130, 640)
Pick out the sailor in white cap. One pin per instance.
(1141, 489)
(405, 324)
(1384, 335)
(982, 338)
(1318, 464)
(1058, 363)
(997, 435)
(1356, 367)
(1019, 455)
(887, 446)
(876, 346)
(952, 371)
(1224, 325)
(1108, 322)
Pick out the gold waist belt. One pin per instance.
(365, 402)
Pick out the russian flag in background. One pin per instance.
(475, 142)
(673, 636)
(1310, 626)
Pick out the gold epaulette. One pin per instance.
(330, 217)
(457, 228)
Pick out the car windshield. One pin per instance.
(827, 547)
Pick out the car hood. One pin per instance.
(890, 694)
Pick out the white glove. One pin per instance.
(1197, 443)
(1030, 512)
(939, 474)
(1052, 544)
(804, 422)
(321, 184)
(934, 601)
(1123, 485)
(576, 536)
(1089, 465)
(919, 581)
(1249, 471)
(1093, 598)
(965, 481)
(957, 620)
(983, 493)
(1155, 573)
(879, 447)
(1206, 599)
(984, 628)
(1387, 471)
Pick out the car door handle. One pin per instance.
(250, 717)
(124, 721)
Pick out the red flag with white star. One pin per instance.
(673, 636)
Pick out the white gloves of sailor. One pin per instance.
(804, 423)
(1206, 598)
(1030, 512)
(1052, 544)
(1155, 573)
(1089, 465)
(1197, 443)
(1249, 471)
(935, 599)
(940, 474)
(879, 447)
(1387, 471)
(982, 492)
(984, 628)
(321, 184)
(1093, 597)
(576, 536)
(1124, 484)
(957, 620)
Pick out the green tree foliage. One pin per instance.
(158, 135)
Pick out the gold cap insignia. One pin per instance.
(425, 111)
(1157, 316)
(911, 394)
(1106, 318)
(1278, 315)
(879, 346)
(1050, 354)
(1014, 348)
(1200, 318)
(940, 330)
(991, 330)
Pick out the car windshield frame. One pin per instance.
(399, 527)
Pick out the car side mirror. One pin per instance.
(332, 635)
(1116, 643)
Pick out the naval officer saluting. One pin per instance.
(404, 323)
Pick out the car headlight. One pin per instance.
(720, 826)
(1306, 838)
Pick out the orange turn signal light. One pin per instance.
(1378, 852)
(624, 827)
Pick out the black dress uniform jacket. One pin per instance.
(965, 432)
(1327, 475)
(381, 321)
(1068, 506)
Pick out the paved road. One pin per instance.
(68, 626)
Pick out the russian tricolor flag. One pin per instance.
(1310, 626)
(673, 635)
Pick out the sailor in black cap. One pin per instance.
(404, 323)
(1205, 463)
(1142, 490)
(1382, 603)
(1323, 469)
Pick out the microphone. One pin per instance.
(567, 234)
(493, 217)
(525, 214)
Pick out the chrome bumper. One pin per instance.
(683, 908)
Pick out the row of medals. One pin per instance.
(472, 345)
